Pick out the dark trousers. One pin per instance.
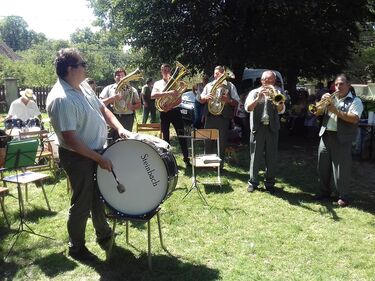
(146, 111)
(263, 144)
(174, 116)
(85, 199)
(126, 120)
(334, 160)
(222, 124)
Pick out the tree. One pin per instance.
(308, 38)
(14, 32)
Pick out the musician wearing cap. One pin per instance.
(80, 121)
(341, 113)
(123, 103)
(264, 104)
(220, 98)
(25, 107)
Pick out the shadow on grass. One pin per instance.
(123, 265)
(55, 264)
(301, 199)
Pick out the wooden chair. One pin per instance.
(151, 127)
(3, 193)
(45, 153)
(205, 160)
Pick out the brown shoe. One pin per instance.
(342, 203)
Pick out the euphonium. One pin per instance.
(174, 83)
(215, 104)
(319, 107)
(127, 96)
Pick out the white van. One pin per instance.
(251, 78)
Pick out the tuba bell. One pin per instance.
(127, 96)
(219, 88)
(174, 83)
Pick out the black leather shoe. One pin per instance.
(321, 197)
(83, 254)
(187, 162)
(251, 188)
(343, 203)
(270, 189)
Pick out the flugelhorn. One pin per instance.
(320, 106)
(127, 96)
(174, 83)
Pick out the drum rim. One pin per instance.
(136, 216)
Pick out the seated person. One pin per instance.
(24, 108)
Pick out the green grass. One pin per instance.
(239, 236)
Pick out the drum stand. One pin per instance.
(195, 186)
(143, 219)
(24, 178)
(23, 226)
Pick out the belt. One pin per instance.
(123, 114)
(330, 132)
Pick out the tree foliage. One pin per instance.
(14, 32)
(300, 38)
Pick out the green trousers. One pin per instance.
(85, 199)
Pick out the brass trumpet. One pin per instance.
(319, 107)
(273, 95)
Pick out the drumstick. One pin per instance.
(120, 187)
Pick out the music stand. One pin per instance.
(21, 154)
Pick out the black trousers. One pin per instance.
(174, 116)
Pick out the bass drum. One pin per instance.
(147, 170)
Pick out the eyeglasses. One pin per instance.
(83, 64)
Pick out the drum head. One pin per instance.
(141, 170)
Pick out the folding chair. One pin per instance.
(151, 127)
(3, 193)
(204, 160)
(45, 153)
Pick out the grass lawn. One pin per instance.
(239, 236)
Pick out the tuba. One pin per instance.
(319, 107)
(219, 88)
(174, 83)
(122, 104)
